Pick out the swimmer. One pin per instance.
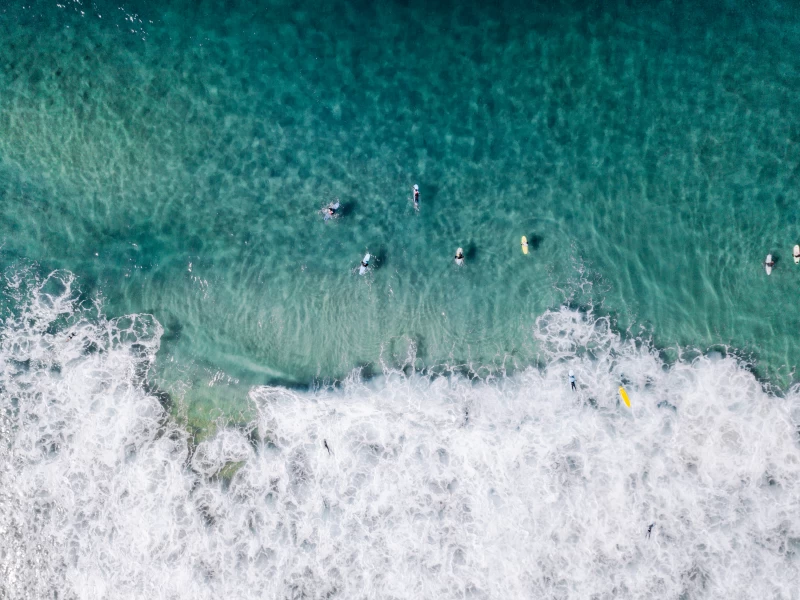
(650, 529)
(330, 212)
(416, 196)
(459, 257)
(572, 381)
(325, 443)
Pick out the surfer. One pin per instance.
(330, 212)
(525, 245)
(416, 196)
(650, 529)
(459, 257)
(325, 443)
(796, 254)
(364, 264)
(770, 262)
(572, 381)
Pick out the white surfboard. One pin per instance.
(768, 264)
(364, 264)
(460, 253)
(796, 254)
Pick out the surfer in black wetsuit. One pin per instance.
(650, 529)
(325, 443)
(416, 196)
(572, 381)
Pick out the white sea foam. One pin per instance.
(435, 487)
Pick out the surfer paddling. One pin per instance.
(416, 196)
(459, 257)
(769, 263)
(330, 212)
(572, 381)
(364, 264)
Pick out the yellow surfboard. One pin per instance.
(624, 396)
(524, 245)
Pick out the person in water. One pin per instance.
(459, 256)
(572, 382)
(330, 212)
(416, 195)
(770, 263)
(364, 264)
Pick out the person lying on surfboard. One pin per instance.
(770, 262)
(459, 257)
(416, 196)
(330, 212)
(364, 264)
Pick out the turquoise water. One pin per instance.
(175, 156)
(172, 159)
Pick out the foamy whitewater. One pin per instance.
(430, 487)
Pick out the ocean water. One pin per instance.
(200, 397)
(175, 156)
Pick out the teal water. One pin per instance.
(175, 157)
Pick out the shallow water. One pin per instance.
(175, 157)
